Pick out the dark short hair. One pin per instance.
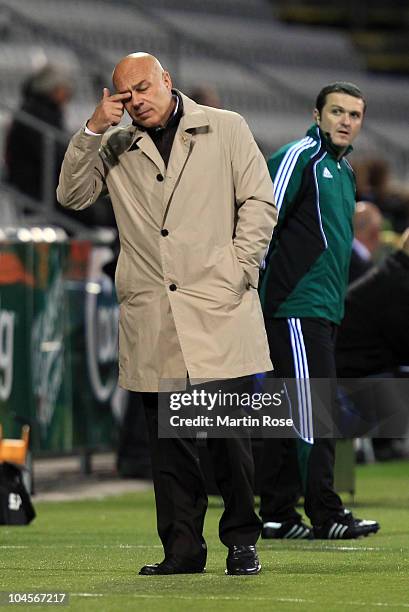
(338, 87)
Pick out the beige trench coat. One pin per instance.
(192, 237)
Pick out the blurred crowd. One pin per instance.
(376, 184)
(44, 97)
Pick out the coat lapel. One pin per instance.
(194, 117)
(145, 143)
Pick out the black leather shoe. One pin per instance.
(171, 566)
(242, 561)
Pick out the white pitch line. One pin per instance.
(159, 546)
(87, 594)
(247, 599)
(343, 548)
(364, 548)
(72, 546)
(199, 598)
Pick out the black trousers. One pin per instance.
(301, 349)
(133, 456)
(180, 495)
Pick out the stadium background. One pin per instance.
(265, 59)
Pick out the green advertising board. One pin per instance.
(58, 341)
(93, 335)
(16, 311)
(50, 351)
(34, 388)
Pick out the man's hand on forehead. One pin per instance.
(119, 95)
(109, 111)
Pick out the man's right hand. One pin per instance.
(108, 112)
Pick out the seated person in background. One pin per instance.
(206, 95)
(374, 335)
(374, 183)
(45, 93)
(367, 230)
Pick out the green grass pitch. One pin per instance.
(94, 549)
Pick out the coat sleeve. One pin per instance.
(82, 176)
(256, 212)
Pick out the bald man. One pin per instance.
(367, 224)
(194, 208)
(145, 91)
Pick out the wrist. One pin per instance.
(92, 129)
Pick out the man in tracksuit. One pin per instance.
(302, 294)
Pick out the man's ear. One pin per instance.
(316, 115)
(167, 80)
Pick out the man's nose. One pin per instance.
(346, 119)
(136, 101)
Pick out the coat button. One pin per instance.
(159, 178)
(172, 287)
(164, 232)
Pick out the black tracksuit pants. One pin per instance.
(302, 349)
(181, 499)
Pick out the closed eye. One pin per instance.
(143, 86)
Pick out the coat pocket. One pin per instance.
(231, 271)
(121, 277)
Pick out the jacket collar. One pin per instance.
(315, 132)
(194, 115)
